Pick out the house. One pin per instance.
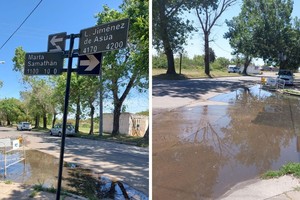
(130, 124)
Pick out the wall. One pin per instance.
(130, 124)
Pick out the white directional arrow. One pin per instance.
(53, 41)
(91, 63)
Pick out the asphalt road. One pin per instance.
(170, 94)
(126, 163)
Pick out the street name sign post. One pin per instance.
(92, 42)
(57, 42)
(106, 37)
(44, 63)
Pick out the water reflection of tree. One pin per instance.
(254, 130)
(208, 133)
(185, 172)
(189, 169)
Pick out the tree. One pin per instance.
(170, 32)
(39, 93)
(208, 14)
(11, 110)
(89, 97)
(264, 29)
(127, 68)
(241, 38)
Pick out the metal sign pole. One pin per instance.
(63, 137)
(101, 105)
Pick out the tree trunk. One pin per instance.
(92, 119)
(77, 115)
(116, 122)
(54, 119)
(8, 121)
(45, 120)
(246, 64)
(37, 121)
(206, 53)
(166, 42)
(170, 58)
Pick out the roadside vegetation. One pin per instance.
(262, 29)
(191, 67)
(123, 71)
(288, 169)
(84, 132)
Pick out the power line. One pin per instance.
(21, 24)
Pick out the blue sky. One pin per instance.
(52, 16)
(220, 45)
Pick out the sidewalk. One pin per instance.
(283, 188)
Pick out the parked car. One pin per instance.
(24, 126)
(233, 69)
(287, 76)
(57, 130)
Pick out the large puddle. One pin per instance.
(201, 152)
(42, 169)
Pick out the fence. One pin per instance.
(272, 83)
(12, 151)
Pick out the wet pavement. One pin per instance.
(201, 150)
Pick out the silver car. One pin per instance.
(57, 130)
(24, 126)
(287, 76)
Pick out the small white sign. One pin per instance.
(16, 144)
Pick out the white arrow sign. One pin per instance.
(91, 63)
(57, 42)
(53, 41)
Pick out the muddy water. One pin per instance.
(201, 152)
(40, 168)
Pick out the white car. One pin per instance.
(232, 69)
(24, 126)
(57, 130)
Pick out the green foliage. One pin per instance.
(127, 68)
(146, 113)
(220, 63)
(264, 29)
(170, 30)
(11, 110)
(159, 61)
(8, 182)
(19, 59)
(290, 168)
(197, 62)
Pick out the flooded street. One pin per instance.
(41, 169)
(200, 152)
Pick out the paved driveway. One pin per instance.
(123, 162)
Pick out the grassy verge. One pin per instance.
(137, 141)
(292, 92)
(290, 168)
(39, 188)
(189, 74)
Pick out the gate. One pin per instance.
(12, 151)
